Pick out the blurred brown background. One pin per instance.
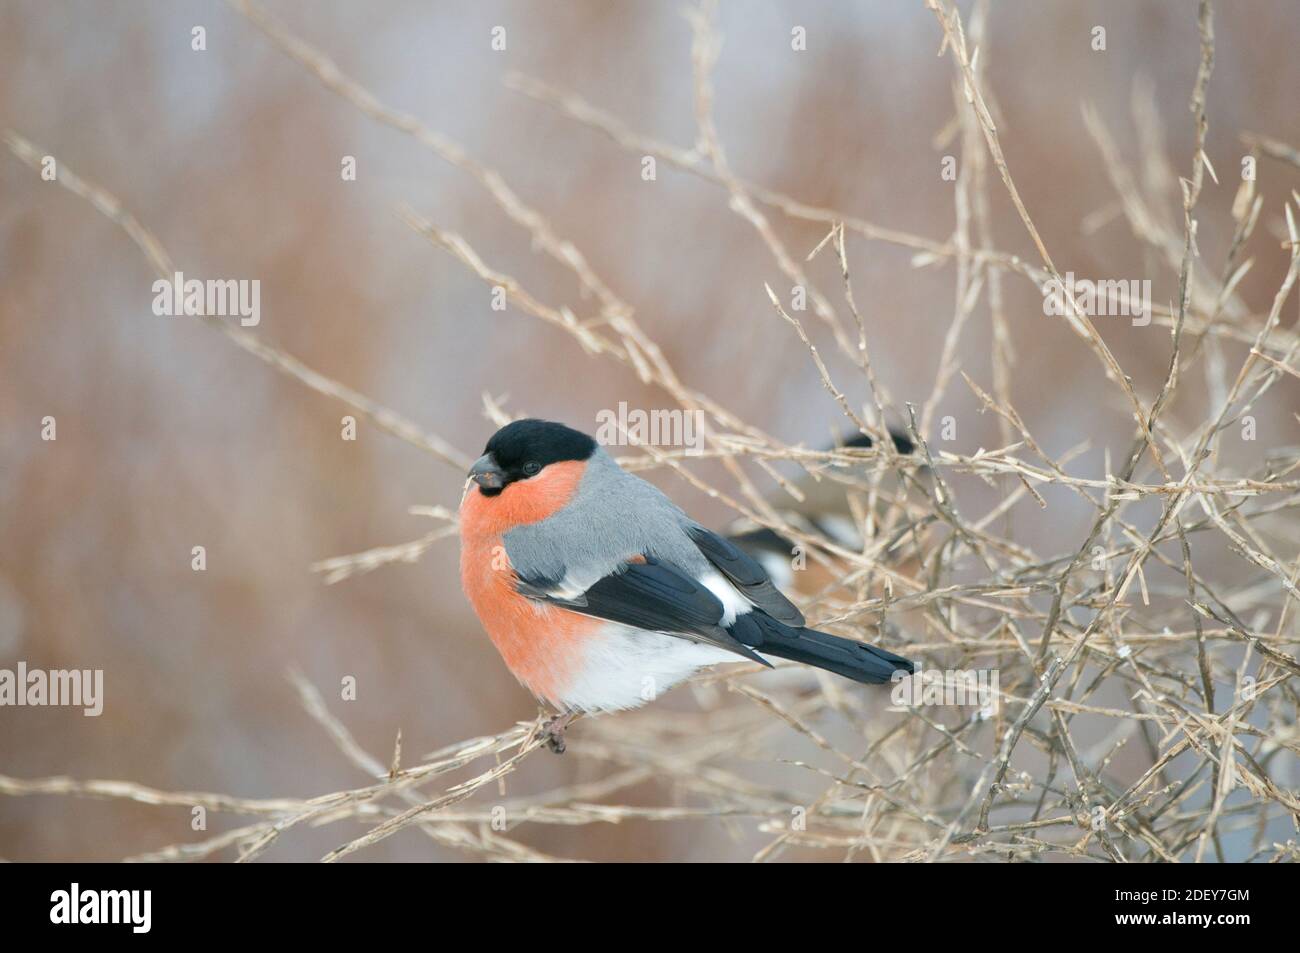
(168, 437)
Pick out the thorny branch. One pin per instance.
(1196, 670)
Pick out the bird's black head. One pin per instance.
(902, 442)
(524, 448)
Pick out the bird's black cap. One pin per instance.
(540, 442)
(902, 442)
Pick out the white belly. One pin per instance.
(622, 667)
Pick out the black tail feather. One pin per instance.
(855, 660)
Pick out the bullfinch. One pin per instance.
(600, 593)
(824, 510)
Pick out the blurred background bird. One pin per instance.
(835, 506)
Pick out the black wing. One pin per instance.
(652, 596)
(746, 574)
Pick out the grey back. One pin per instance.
(613, 515)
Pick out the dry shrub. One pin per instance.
(1116, 646)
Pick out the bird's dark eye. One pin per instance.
(532, 468)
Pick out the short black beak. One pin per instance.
(487, 474)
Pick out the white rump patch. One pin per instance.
(733, 603)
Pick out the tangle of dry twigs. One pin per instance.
(1116, 637)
